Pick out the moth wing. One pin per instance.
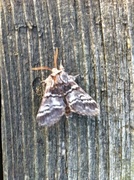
(80, 102)
(52, 108)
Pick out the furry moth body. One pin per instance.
(62, 96)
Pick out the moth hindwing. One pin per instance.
(62, 96)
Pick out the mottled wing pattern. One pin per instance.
(80, 102)
(51, 109)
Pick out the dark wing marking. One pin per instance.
(80, 102)
(51, 109)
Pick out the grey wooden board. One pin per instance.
(96, 40)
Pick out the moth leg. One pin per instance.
(43, 82)
(74, 77)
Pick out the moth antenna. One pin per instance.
(42, 68)
(61, 66)
(55, 57)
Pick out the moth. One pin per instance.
(62, 96)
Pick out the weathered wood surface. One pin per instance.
(96, 40)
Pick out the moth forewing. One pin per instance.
(80, 102)
(52, 106)
(51, 110)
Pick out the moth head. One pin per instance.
(55, 71)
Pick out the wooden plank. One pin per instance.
(96, 40)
